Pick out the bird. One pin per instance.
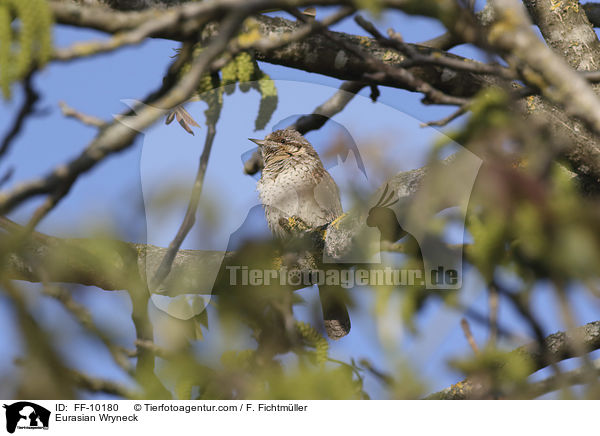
(294, 183)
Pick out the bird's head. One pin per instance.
(284, 145)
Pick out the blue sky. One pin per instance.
(112, 196)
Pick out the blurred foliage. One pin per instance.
(526, 212)
(499, 371)
(25, 39)
(373, 6)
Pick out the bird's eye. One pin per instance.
(283, 140)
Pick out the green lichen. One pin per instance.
(250, 35)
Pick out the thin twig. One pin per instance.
(482, 319)
(27, 108)
(575, 342)
(116, 136)
(544, 356)
(89, 120)
(553, 383)
(384, 377)
(469, 335)
(49, 203)
(416, 57)
(493, 315)
(553, 348)
(335, 104)
(92, 384)
(380, 71)
(123, 39)
(190, 215)
(38, 347)
(7, 176)
(445, 41)
(84, 317)
(155, 349)
(146, 359)
(444, 121)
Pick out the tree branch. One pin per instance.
(112, 264)
(582, 152)
(558, 346)
(88, 120)
(117, 136)
(579, 376)
(566, 29)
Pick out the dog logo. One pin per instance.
(26, 415)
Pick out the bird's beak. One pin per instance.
(259, 142)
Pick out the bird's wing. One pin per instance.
(327, 196)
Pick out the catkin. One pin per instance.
(28, 44)
(229, 76)
(268, 100)
(245, 70)
(5, 40)
(313, 338)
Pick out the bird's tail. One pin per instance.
(335, 313)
